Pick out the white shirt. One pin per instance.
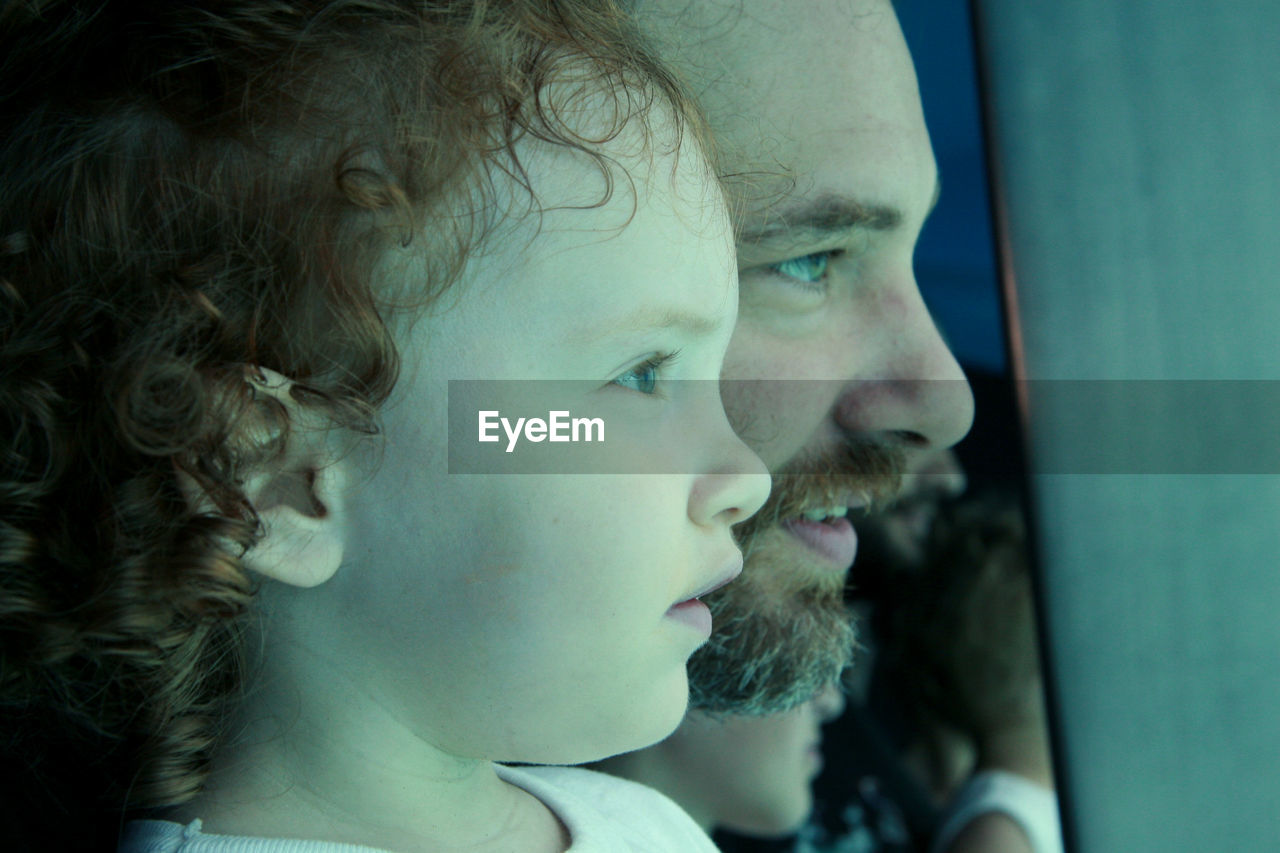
(1033, 807)
(603, 814)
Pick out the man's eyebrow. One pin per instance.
(826, 216)
(649, 319)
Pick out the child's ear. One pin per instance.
(299, 496)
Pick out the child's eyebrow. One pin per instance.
(650, 319)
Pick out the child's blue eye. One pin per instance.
(808, 269)
(644, 376)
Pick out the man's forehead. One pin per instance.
(719, 40)
(770, 76)
(708, 20)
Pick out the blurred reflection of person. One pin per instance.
(750, 775)
(894, 539)
(868, 801)
(960, 653)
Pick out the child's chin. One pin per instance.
(588, 739)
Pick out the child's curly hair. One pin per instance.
(189, 191)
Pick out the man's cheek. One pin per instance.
(775, 417)
(755, 412)
(745, 400)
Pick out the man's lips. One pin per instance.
(834, 539)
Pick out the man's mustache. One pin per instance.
(868, 472)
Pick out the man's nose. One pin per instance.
(914, 393)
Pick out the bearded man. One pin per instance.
(836, 375)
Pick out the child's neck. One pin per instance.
(328, 762)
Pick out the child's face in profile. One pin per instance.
(530, 617)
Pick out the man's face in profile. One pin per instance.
(836, 374)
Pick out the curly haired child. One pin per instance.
(245, 246)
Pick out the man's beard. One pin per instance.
(782, 630)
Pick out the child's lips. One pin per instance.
(731, 568)
(693, 612)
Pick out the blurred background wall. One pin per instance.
(1138, 152)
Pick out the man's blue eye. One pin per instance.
(809, 269)
(644, 376)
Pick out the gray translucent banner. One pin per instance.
(1111, 426)
(1155, 426)
(583, 427)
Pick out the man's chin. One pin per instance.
(782, 632)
